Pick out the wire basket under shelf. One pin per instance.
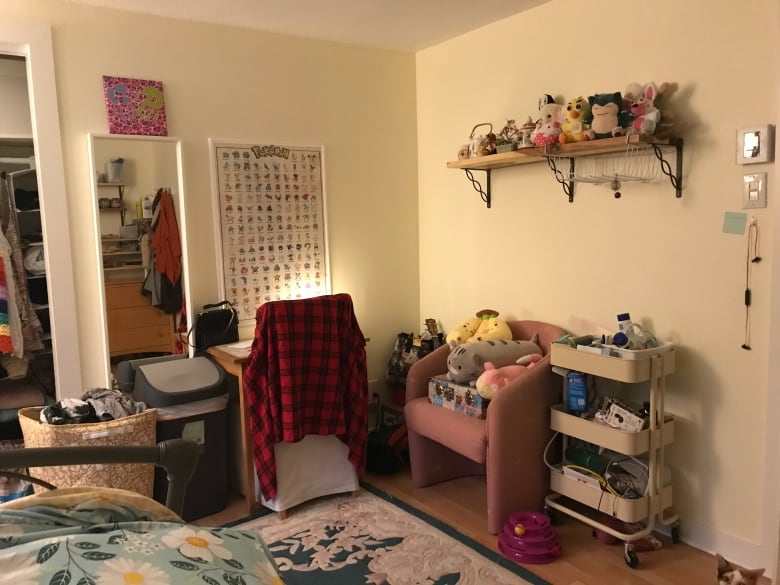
(637, 163)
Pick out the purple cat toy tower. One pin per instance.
(528, 537)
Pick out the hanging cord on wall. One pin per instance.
(754, 237)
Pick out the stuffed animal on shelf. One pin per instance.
(463, 331)
(575, 126)
(466, 362)
(666, 124)
(493, 378)
(544, 100)
(643, 111)
(490, 327)
(608, 117)
(548, 126)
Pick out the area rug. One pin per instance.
(374, 539)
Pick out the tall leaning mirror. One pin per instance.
(139, 216)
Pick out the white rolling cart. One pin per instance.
(631, 367)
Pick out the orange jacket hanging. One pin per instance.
(165, 239)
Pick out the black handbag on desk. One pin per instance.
(215, 324)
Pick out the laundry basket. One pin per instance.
(137, 429)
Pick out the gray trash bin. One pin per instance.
(191, 399)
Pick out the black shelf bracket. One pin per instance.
(483, 193)
(567, 184)
(676, 177)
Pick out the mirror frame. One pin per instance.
(181, 219)
(33, 42)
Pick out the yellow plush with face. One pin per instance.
(491, 327)
(575, 124)
(463, 331)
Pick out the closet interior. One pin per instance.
(26, 357)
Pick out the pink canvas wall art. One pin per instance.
(135, 106)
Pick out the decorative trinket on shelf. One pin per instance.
(481, 145)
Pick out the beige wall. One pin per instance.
(238, 84)
(665, 260)
(15, 113)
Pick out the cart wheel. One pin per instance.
(630, 556)
(676, 533)
(552, 514)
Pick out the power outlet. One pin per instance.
(754, 191)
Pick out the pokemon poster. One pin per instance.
(271, 223)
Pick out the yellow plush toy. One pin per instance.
(575, 125)
(490, 327)
(464, 330)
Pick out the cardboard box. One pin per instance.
(458, 397)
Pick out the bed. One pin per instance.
(104, 535)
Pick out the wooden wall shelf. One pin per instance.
(570, 152)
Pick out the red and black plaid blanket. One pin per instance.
(306, 375)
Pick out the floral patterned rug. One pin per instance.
(374, 539)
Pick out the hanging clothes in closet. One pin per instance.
(163, 280)
(21, 330)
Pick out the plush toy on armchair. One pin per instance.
(490, 327)
(486, 325)
(463, 331)
(493, 378)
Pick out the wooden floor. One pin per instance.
(461, 503)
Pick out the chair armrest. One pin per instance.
(533, 392)
(518, 430)
(423, 370)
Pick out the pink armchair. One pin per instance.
(506, 446)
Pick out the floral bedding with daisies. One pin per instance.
(105, 536)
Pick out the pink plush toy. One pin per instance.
(493, 378)
(644, 112)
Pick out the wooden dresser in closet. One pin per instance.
(134, 325)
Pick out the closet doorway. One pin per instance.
(31, 44)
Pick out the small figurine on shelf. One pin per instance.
(509, 131)
(526, 131)
(481, 145)
(507, 138)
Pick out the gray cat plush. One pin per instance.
(466, 362)
(731, 574)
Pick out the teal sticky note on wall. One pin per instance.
(734, 222)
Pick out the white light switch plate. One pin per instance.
(754, 191)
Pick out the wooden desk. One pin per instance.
(233, 363)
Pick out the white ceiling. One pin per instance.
(406, 25)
